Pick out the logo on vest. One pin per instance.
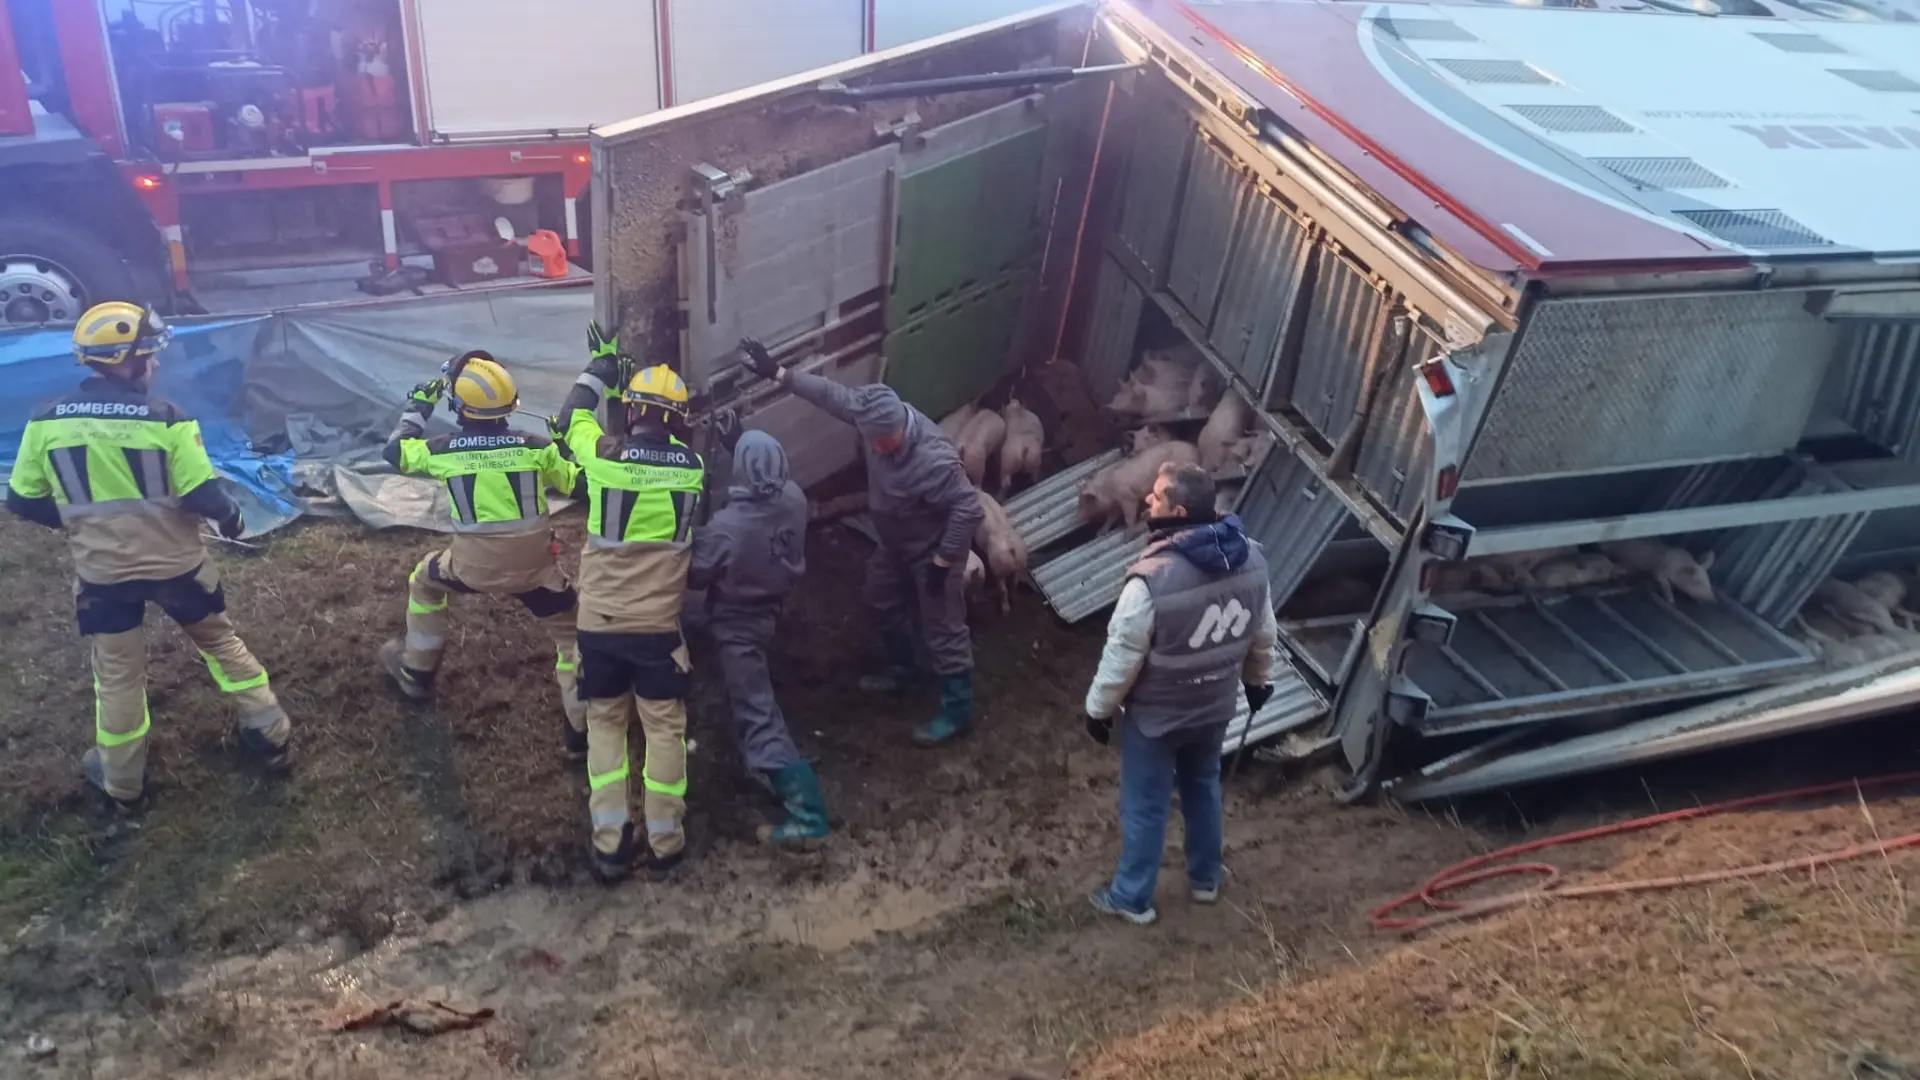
(1221, 623)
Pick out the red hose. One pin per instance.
(1432, 894)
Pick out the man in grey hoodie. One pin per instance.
(748, 557)
(925, 511)
(1194, 629)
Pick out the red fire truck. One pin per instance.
(150, 146)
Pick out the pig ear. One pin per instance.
(1706, 561)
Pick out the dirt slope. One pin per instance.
(941, 932)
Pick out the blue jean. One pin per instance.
(1149, 769)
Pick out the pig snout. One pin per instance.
(976, 572)
(1687, 575)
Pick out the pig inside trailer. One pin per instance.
(1550, 463)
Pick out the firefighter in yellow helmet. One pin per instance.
(644, 488)
(496, 481)
(125, 474)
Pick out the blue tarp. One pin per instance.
(203, 372)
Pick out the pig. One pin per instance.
(956, 421)
(1473, 574)
(1203, 390)
(1243, 451)
(1135, 398)
(1116, 492)
(1020, 454)
(1147, 437)
(1006, 553)
(1890, 590)
(1156, 371)
(1851, 605)
(979, 441)
(1669, 568)
(1573, 571)
(1224, 430)
(976, 572)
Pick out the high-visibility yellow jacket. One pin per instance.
(645, 496)
(127, 475)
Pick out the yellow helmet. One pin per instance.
(659, 386)
(482, 389)
(115, 332)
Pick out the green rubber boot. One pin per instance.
(799, 791)
(955, 717)
(901, 671)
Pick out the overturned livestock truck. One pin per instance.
(1581, 345)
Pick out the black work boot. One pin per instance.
(95, 770)
(617, 867)
(277, 760)
(573, 739)
(417, 685)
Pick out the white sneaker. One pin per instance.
(1102, 901)
(1207, 895)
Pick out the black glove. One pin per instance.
(1257, 696)
(759, 360)
(425, 396)
(605, 353)
(234, 525)
(726, 428)
(937, 578)
(1100, 731)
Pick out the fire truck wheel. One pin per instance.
(51, 272)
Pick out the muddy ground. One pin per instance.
(942, 931)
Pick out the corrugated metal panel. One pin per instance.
(1262, 286)
(1805, 705)
(1882, 366)
(1599, 385)
(1293, 516)
(1346, 332)
(1771, 569)
(1050, 509)
(1160, 148)
(1112, 325)
(1087, 579)
(1293, 705)
(1396, 450)
(1215, 191)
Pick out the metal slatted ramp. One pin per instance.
(1526, 659)
(1049, 510)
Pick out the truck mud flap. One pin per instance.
(1522, 660)
(1809, 704)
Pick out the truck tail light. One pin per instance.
(1447, 483)
(1429, 573)
(1434, 371)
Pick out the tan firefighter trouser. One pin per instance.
(121, 720)
(550, 597)
(616, 671)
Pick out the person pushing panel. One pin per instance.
(644, 487)
(496, 480)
